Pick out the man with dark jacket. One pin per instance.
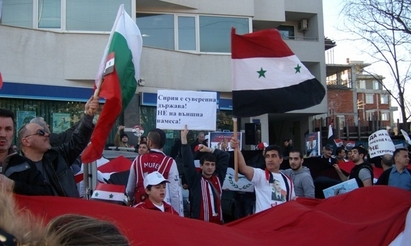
(30, 175)
(54, 163)
(362, 171)
(205, 186)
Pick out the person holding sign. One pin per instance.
(397, 176)
(270, 182)
(362, 171)
(205, 187)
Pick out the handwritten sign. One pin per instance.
(380, 143)
(197, 110)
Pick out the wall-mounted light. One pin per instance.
(141, 82)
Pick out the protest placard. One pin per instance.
(340, 188)
(221, 140)
(196, 109)
(241, 185)
(380, 143)
(313, 144)
(406, 136)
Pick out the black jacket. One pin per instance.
(355, 171)
(57, 160)
(194, 178)
(384, 177)
(57, 139)
(27, 178)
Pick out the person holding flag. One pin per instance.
(116, 79)
(53, 162)
(267, 182)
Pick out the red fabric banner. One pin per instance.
(366, 216)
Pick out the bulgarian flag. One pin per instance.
(116, 79)
(268, 77)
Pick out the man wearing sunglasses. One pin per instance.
(54, 162)
(33, 180)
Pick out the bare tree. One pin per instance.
(385, 27)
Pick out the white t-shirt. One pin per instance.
(270, 195)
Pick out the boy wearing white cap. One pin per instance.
(155, 187)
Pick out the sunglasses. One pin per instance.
(39, 132)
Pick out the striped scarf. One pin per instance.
(211, 205)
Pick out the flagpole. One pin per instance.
(97, 91)
(235, 152)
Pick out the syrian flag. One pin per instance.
(114, 171)
(117, 79)
(109, 193)
(330, 138)
(268, 77)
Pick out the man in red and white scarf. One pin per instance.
(205, 186)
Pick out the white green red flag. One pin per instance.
(268, 77)
(117, 79)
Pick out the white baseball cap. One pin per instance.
(154, 178)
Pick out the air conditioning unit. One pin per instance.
(303, 25)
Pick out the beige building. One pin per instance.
(51, 51)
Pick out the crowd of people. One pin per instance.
(44, 167)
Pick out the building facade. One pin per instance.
(51, 51)
(356, 99)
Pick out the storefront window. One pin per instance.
(59, 115)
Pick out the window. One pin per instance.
(384, 98)
(49, 14)
(371, 115)
(157, 30)
(17, 13)
(385, 116)
(80, 15)
(377, 85)
(213, 35)
(287, 32)
(186, 33)
(361, 84)
(341, 121)
(215, 32)
(369, 98)
(93, 15)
